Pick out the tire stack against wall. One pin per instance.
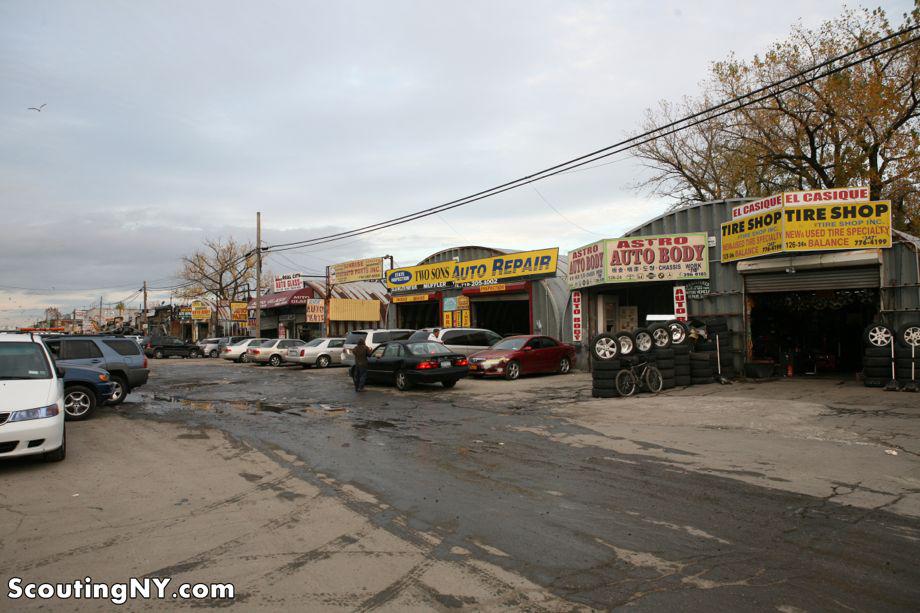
(879, 339)
(603, 378)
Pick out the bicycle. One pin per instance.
(639, 375)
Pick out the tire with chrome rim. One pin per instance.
(678, 332)
(322, 361)
(79, 402)
(565, 365)
(643, 339)
(512, 370)
(275, 360)
(661, 335)
(626, 342)
(120, 389)
(909, 335)
(402, 381)
(878, 335)
(604, 347)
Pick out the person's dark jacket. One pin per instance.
(361, 356)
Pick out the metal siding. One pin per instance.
(344, 309)
(900, 282)
(813, 280)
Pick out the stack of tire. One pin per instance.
(717, 328)
(879, 339)
(702, 369)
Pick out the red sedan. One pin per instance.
(523, 355)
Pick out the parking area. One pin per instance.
(795, 494)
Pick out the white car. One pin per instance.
(237, 352)
(465, 341)
(31, 399)
(372, 338)
(208, 347)
(272, 350)
(320, 352)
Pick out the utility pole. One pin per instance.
(144, 315)
(101, 318)
(258, 330)
(326, 297)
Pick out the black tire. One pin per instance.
(213, 353)
(666, 373)
(643, 339)
(244, 358)
(665, 364)
(626, 343)
(661, 336)
(158, 354)
(878, 335)
(275, 360)
(701, 356)
(513, 370)
(906, 362)
(681, 370)
(668, 384)
(193, 354)
(304, 366)
(878, 352)
(604, 394)
(58, 454)
(909, 335)
(79, 402)
(604, 348)
(449, 383)
(702, 374)
(565, 365)
(679, 332)
(608, 384)
(680, 350)
(874, 382)
(705, 346)
(401, 381)
(905, 374)
(664, 354)
(626, 384)
(701, 380)
(869, 362)
(877, 373)
(682, 380)
(323, 361)
(121, 389)
(610, 365)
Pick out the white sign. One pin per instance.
(680, 303)
(577, 317)
(288, 282)
(586, 265)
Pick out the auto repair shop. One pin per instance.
(503, 291)
(797, 276)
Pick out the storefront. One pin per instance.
(478, 287)
(284, 314)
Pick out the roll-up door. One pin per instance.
(813, 280)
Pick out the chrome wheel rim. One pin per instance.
(513, 371)
(912, 336)
(677, 333)
(626, 345)
(77, 403)
(644, 341)
(400, 380)
(564, 366)
(605, 348)
(661, 337)
(117, 390)
(323, 362)
(880, 336)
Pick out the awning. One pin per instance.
(283, 299)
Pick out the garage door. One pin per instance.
(813, 280)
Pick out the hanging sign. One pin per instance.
(465, 318)
(316, 311)
(657, 258)
(369, 269)
(239, 311)
(287, 282)
(586, 265)
(411, 298)
(697, 290)
(680, 303)
(576, 317)
(200, 311)
(759, 206)
(448, 319)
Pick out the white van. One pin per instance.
(372, 338)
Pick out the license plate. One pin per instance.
(473, 366)
(445, 364)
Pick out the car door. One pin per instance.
(334, 349)
(530, 356)
(549, 354)
(391, 361)
(375, 365)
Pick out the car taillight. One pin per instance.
(256, 351)
(462, 362)
(426, 365)
(226, 349)
(302, 352)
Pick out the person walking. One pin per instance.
(360, 352)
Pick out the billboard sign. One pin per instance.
(475, 273)
(369, 269)
(239, 311)
(586, 265)
(289, 281)
(825, 227)
(748, 237)
(667, 257)
(200, 311)
(316, 311)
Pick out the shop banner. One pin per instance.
(586, 266)
(576, 317)
(748, 237)
(763, 205)
(316, 311)
(835, 195)
(449, 304)
(824, 227)
(412, 298)
(239, 311)
(448, 319)
(369, 269)
(475, 273)
(200, 311)
(493, 288)
(680, 303)
(287, 282)
(463, 302)
(666, 257)
(185, 313)
(465, 318)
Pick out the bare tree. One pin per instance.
(218, 272)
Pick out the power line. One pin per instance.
(737, 103)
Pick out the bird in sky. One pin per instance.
(39, 109)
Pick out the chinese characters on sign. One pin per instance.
(200, 311)
(586, 265)
(239, 311)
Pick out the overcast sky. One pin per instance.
(167, 122)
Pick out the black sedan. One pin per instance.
(406, 363)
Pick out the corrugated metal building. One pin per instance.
(810, 306)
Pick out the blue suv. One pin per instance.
(85, 388)
(122, 357)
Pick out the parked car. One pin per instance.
(272, 350)
(121, 357)
(85, 388)
(160, 347)
(226, 341)
(523, 355)
(460, 340)
(208, 347)
(31, 399)
(405, 363)
(320, 352)
(372, 338)
(237, 352)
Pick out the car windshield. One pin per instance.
(23, 361)
(427, 349)
(316, 342)
(511, 344)
(353, 337)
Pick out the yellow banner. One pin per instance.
(474, 273)
(448, 319)
(465, 318)
(463, 302)
(239, 311)
(493, 288)
(758, 234)
(412, 298)
(369, 269)
(316, 311)
(823, 227)
(200, 311)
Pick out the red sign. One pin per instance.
(576, 317)
(680, 303)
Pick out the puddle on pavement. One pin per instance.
(373, 424)
(254, 406)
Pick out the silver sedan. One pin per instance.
(320, 352)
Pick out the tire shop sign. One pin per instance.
(817, 220)
(586, 265)
(475, 273)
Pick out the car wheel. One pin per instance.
(275, 360)
(449, 383)
(512, 370)
(402, 381)
(79, 402)
(678, 332)
(323, 361)
(565, 365)
(120, 391)
(878, 335)
(604, 347)
(213, 353)
(909, 335)
(626, 343)
(158, 354)
(58, 454)
(193, 354)
(661, 335)
(244, 359)
(644, 342)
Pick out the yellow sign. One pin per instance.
(239, 311)
(200, 311)
(316, 311)
(448, 319)
(465, 318)
(412, 298)
(475, 273)
(492, 288)
(748, 237)
(823, 227)
(463, 302)
(369, 269)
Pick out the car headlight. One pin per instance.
(494, 362)
(40, 413)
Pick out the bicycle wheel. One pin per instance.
(626, 383)
(653, 380)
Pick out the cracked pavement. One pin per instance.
(787, 495)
